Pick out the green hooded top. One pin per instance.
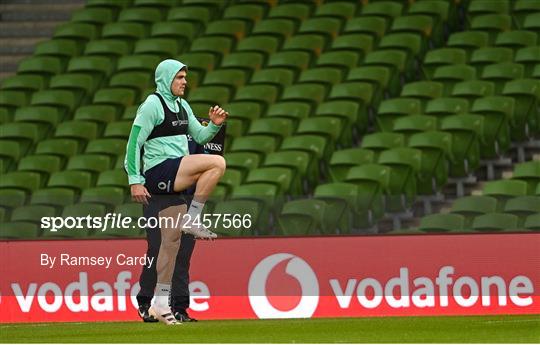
(150, 114)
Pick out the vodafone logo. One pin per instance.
(299, 270)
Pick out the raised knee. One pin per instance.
(220, 164)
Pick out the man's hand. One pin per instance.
(217, 115)
(139, 193)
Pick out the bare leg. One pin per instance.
(205, 170)
(170, 243)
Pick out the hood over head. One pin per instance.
(165, 73)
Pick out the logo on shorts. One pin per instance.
(164, 185)
(299, 270)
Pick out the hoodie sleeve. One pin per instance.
(146, 119)
(200, 133)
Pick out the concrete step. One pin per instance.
(9, 63)
(38, 11)
(25, 45)
(28, 29)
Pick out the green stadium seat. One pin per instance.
(505, 189)
(370, 25)
(99, 67)
(521, 9)
(316, 145)
(342, 160)
(182, 32)
(94, 15)
(468, 40)
(447, 106)
(300, 162)
(231, 78)
(218, 46)
(436, 148)
(466, 131)
(490, 55)
(471, 206)
(108, 196)
(81, 32)
(43, 164)
(329, 27)
(523, 206)
(450, 75)
(265, 95)
(134, 63)
(359, 43)
(72, 179)
(516, 39)
(81, 131)
(43, 115)
(296, 111)
(295, 11)
(94, 163)
(281, 28)
(410, 43)
(341, 201)
(391, 109)
(493, 24)
(259, 44)
(302, 217)
(340, 10)
(528, 172)
(531, 22)
(282, 177)
(243, 161)
(118, 129)
(113, 178)
(249, 13)
(327, 76)
(28, 83)
(24, 133)
(163, 47)
(311, 93)
(372, 182)
(329, 127)
(500, 73)
(296, 61)
(5, 115)
(26, 181)
(409, 125)
(200, 62)
(32, 213)
(211, 94)
(360, 92)
(265, 194)
(441, 10)
(380, 141)
(245, 111)
(344, 60)
(10, 152)
(378, 76)
(349, 112)
(405, 166)
(423, 91)
(259, 144)
(110, 147)
(278, 128)
(61, 48)
(231, 28)
(442, 223)
(483, 7)
(498, 115)
(13, 99)
(386, 9)
(526, 93)
(473, 89)
(112, 48)
(532, 222)
(313, 44)
(125, 32)
(63, 99)
(11, 198)
(78, 210)
(199, 15)
(248, 61)
(529, 58)
(60, 147)
(421, 25)
(19, 231)
(80, 85)
(98, 113)
(145, 16)
(395, 59)
(495, 222)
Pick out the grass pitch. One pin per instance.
(469, 329)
